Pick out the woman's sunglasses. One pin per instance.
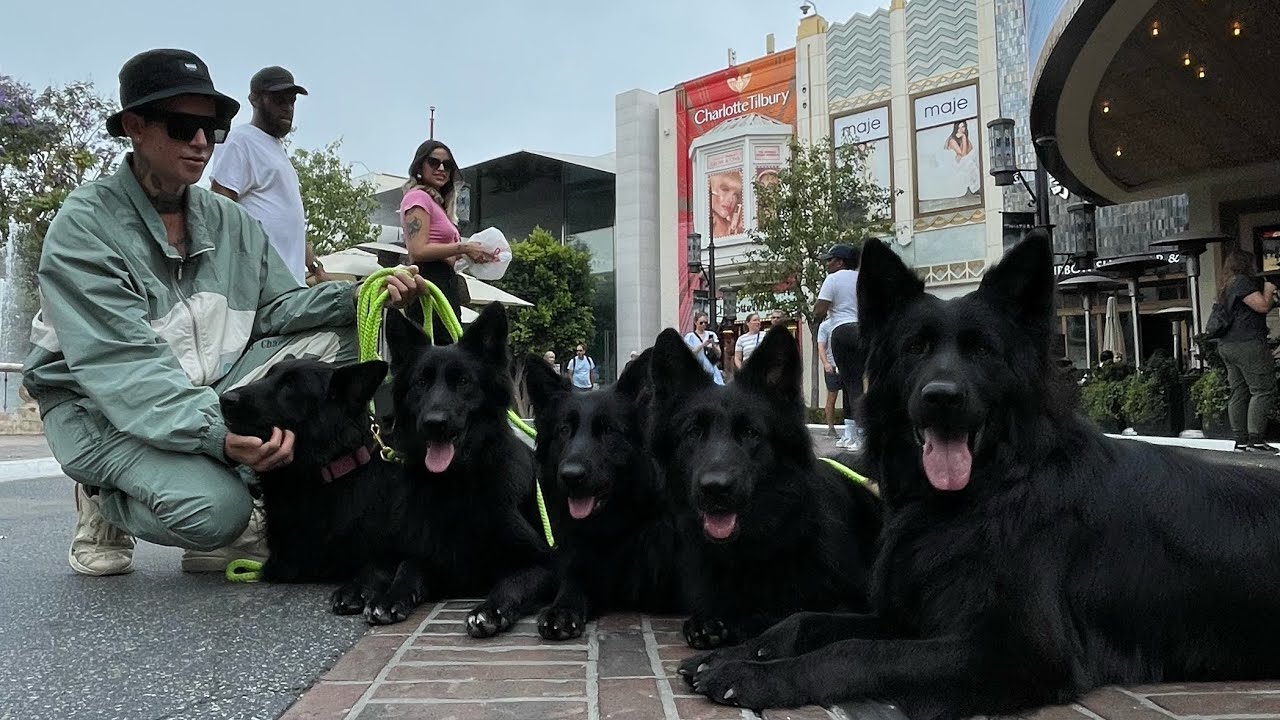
(183, 126)
(436, 162)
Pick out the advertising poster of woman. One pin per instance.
(948, 164)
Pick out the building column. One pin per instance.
(900, 112)
(636, 244)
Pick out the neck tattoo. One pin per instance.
(165, 199)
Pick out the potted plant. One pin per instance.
(1152, 402)
(1210, 395)
(1102, 396)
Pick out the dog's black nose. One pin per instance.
(715, 484)
(230, 397)
(942, 394)
(572, 472)
(436, 421)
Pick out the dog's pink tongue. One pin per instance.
(719, 525)
(439, 455)
(946, 462)
(581, 507)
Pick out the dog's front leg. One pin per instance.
(901, 669)
(800, 633)
(371, 579)
(567, 616)
(405, 593)
(512, 597)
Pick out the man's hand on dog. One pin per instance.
(261, 456)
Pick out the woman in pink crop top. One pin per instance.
(429, 219)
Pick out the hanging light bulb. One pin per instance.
(1119, 152)
(1186, 59)
(1106, 106)
(1236, 28)
(1200, 71)
(1155, 29)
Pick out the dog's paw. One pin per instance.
(347, 600)
(387, 611)
(752, 685)
(488, 620)
(706, 633)
(560, 623)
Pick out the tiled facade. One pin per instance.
(1122, 229)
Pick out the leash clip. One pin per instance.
(386, 453)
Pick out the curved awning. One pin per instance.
(1134, 99)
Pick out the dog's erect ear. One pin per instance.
(885, 283)
(487, 336)
(635, 376)
(773, 370)
(673, 370)
(406, 339)
(1023, 280)
(356, 384)
(542, 382)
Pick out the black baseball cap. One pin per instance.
(848, 253)
(156, 75)
(274, 79)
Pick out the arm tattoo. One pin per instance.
(412, 226)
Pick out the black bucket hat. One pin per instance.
(156, 75)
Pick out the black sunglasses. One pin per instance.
(436, 162)
(183, 126)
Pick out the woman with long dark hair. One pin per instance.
(429, 217)
(1243, 348)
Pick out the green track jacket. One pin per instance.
(133, 330)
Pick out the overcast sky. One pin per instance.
(504, 75)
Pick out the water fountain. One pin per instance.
(14, 333)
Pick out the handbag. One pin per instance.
(1218, 323)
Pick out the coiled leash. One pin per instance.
(373, 296)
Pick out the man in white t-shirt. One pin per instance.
(838, 303)
(253, 168)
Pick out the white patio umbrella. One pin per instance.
(361, 262)
(1112, 333)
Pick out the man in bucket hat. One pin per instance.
(151, 290)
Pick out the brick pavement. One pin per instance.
(623, 668)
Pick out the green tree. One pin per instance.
(823, 196)
(557, 280)
(337, 207)
(50, 143)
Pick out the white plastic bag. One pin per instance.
(499, 250)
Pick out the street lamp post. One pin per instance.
(1082, 228)
(708, 273)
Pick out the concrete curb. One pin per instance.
(29, 469)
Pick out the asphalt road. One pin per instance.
(153, 644)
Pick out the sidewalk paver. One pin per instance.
(623, 667)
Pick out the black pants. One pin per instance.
(441, 275)
(851, 361)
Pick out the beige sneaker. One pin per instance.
(98, 548)
(251, 545)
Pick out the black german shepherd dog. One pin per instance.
(1026, 558)
(471, 479)
(616, 527)
(767, 529)
(331, 513)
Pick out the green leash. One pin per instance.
(373, 296)
(847, 472)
